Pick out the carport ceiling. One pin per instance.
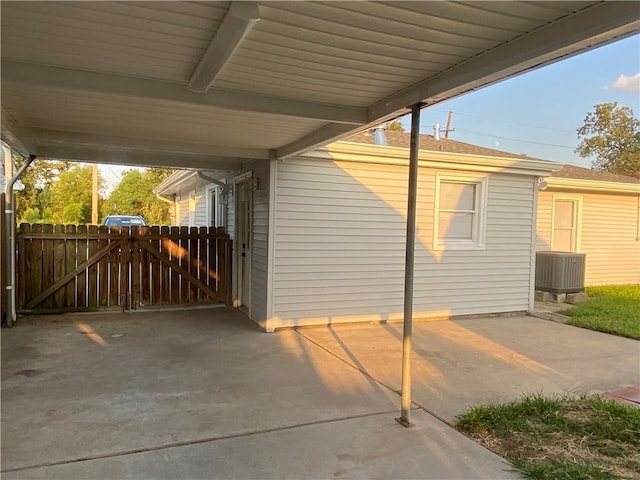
(109, 81)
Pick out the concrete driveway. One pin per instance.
(206, 394)
(461, 363)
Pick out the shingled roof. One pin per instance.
(579, 173)
(427, 142)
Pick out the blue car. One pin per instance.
(124, 221)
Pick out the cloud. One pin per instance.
(628, 84)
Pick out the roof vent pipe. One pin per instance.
(436, 131)
(379, 136)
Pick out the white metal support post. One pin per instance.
(405, 414)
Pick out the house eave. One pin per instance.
(170, 184)
(358, 152)
(188, 179)
(592, 185)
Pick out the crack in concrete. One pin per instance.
(192, 442)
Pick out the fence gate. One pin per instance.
(66, 268)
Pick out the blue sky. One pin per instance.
(544, 106)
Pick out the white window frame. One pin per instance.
(215, 192)
(220, 221)
(478, 232)
(577, 218)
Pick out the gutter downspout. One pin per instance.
(170, 202)
(220, 183)
(160, 197)
(11, 242)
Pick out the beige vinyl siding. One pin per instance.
(201, 207)
(183, 206)
(200, 210)
(544, 220)
(609, 235)
(231, 215)
(259, 252)
(340, 246)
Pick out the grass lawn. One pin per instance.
(560, 437)
(613, 309)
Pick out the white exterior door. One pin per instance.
(565, 225)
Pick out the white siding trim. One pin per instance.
(358, 152)
(271, 243)
(207, 195)
(534, 244)
(638, 221)
(598, 186)
(242, 177)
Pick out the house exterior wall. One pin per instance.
(259, 227)
(340, 245)
(199, 216)
(609, 234)
(260, 239)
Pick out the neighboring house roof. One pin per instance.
(428, 142)
(571, 177)
(580, 173)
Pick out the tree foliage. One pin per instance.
(134, 196)
(35, 198)
(611, 134)
(71, 195)
(395, 126)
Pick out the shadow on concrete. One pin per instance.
(204, 394)
(460, 363)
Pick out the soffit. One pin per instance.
(308, 73)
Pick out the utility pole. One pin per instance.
(448, 129)
(94, 194)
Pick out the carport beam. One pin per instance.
(405, 402)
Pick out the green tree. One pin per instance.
(395, 126)
(36, 195)
(611, 134)
(71, 195)
(134, 196)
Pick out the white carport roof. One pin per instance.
(109, 81)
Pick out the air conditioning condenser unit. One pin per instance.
(560, 272)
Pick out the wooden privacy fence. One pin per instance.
(66, 267)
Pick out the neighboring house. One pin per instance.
(595, 213)
(320, 238)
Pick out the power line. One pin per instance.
(482, 117)
(515, 139)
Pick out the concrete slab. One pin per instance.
(206, 393)
(371, 447)
(74, 387)
(457, 364)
